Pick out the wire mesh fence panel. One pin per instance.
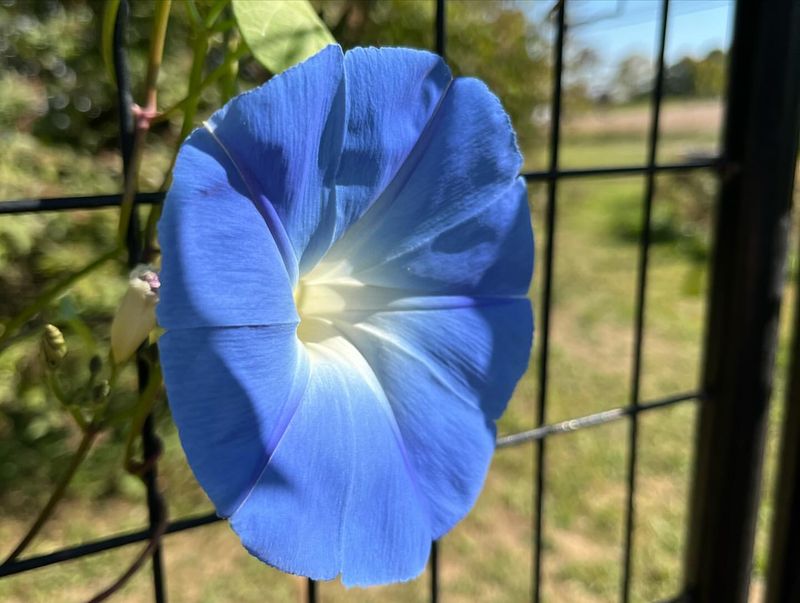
(616, 426)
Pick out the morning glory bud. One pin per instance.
(136, 315)
(53, 346)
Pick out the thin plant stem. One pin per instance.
(214, 12)
(211, 78)
(143, 121)
(227, 85)
(199, 52)
(55, 497)
(157, 40)
(223, 26)
(189, 106)
(195, 20)
(143, 407)
(90, 432)
(55, 386)
(45, 298)
(141, 558)
(131, 184)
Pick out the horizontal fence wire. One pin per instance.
(592, 420)
(36, 205)
(101, 545)
(180, 525)
(712, 163)
(28, 206)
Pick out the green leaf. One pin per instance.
(107, 37)
(281, 33)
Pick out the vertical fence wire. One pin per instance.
(440, 44)
(441, 28)
(150, 443)
(547, 291)
(311, 591)
(434, 572)
(641, 301)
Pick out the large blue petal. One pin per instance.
(448, 374)
(339, 494)
(220, 266)
(486, 253)
(451, 211)
(232, 392)
(317, 152)
(392, 94)
(285, 137)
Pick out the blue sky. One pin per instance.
(615, 29)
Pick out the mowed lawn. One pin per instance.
(488, 556)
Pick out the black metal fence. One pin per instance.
(755, 171)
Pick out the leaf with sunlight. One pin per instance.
(281, 34)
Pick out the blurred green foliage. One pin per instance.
(268, 26)
(49, 53)
(681, 215)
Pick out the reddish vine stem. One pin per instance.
(141, 558)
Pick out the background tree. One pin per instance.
(710, 74)
(703, 78)
(580, 81)
(633, 79)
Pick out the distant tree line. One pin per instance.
(687, 77)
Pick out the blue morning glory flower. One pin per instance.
(347, 252)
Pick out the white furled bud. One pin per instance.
(136, 315)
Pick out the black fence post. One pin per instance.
(783, 577)
(751, 238)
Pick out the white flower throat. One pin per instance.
(323, 296)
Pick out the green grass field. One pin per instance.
(488, 556)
